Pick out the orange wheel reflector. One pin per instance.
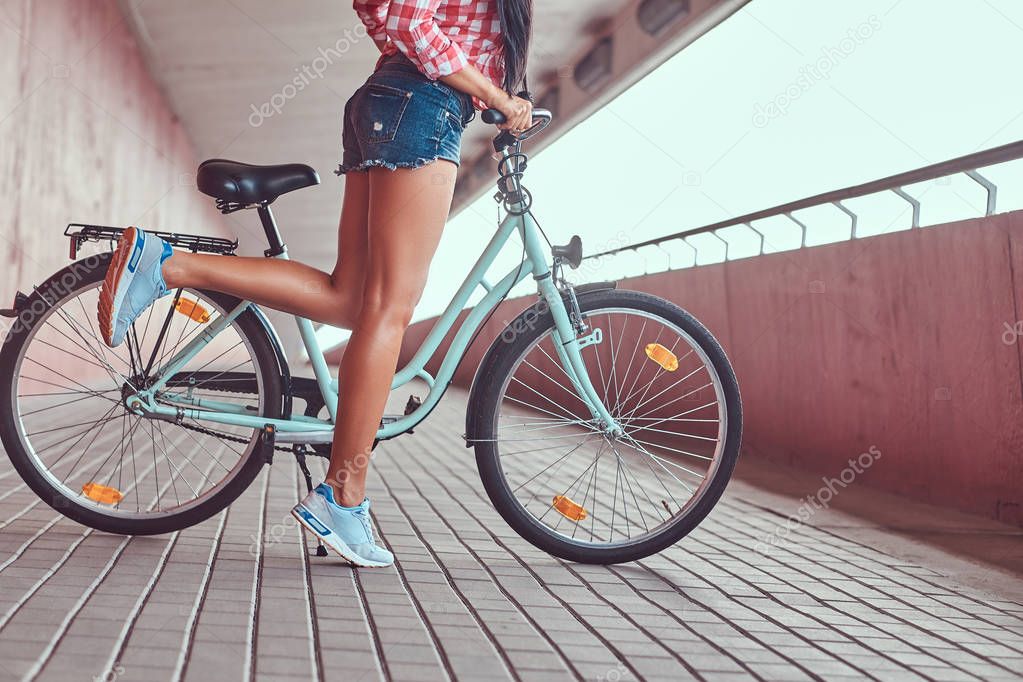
(662, 356)
(569, 509)
(101, 493)
(192, 309)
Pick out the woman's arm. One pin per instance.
(373, 15)
(411, 27)
(517, 111)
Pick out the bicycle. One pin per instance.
(589, 376)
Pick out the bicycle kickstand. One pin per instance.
(300, 456)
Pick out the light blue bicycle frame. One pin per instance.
(566, 344)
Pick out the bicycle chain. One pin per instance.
(227, 436)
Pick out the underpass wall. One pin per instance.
(85, 136)
(905, 342)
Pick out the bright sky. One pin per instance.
(703, 137)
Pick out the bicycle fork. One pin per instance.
(566, 339)
(568, 346)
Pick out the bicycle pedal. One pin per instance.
(413, 404)
(268, 438)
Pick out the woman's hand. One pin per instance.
(517, 111)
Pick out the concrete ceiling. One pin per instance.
(222, 62)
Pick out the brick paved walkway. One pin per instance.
(237, 596)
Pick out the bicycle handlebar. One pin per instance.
(493, 116)
(541, 119)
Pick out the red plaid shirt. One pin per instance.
(441, 37)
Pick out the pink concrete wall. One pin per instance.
(896, 342)
(85, 135)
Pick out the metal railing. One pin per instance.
(968, 165)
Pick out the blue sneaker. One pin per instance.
(134, 280)
(346, 530)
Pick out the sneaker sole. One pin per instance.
(118, 280)
(338, 546)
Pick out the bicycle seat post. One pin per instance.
(273, 235)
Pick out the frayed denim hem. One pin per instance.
(380, 163)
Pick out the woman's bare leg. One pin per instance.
(288, 285)
(408, 209)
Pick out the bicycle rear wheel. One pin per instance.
(67, 431)
(571, 489)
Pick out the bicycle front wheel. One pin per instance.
(570, 488)
(66, 428)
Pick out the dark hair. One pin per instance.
(516, 28)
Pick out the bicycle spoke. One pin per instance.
(684, 413)
(66, 426)
(551, 379)
(93, 333)
(540, 473)
(156, 465)
(657, 374)
(586, 497)
(215, 460)
(207, 451)
(61, 375)
(614, 501)
(534, 407)
(672, 433)
(79, 438)
(87, 391)
(87, 347)
(554, 363)
(632, 491)
(73, 401)
(171, 466)
(639, 446)
(642, 488)
(660, 462)
(571, 486)
(95, 436)
(76, 357)
(533, 451)
(632, 358)
(209, 379)
(174, 349)
(665, 390)
(523, 384)
(667, 447)
(614, 356)
(104, 366)
(548, 427)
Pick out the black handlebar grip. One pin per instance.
(493, 117)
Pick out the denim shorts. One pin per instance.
(401, 119)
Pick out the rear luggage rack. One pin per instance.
(80, 233)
